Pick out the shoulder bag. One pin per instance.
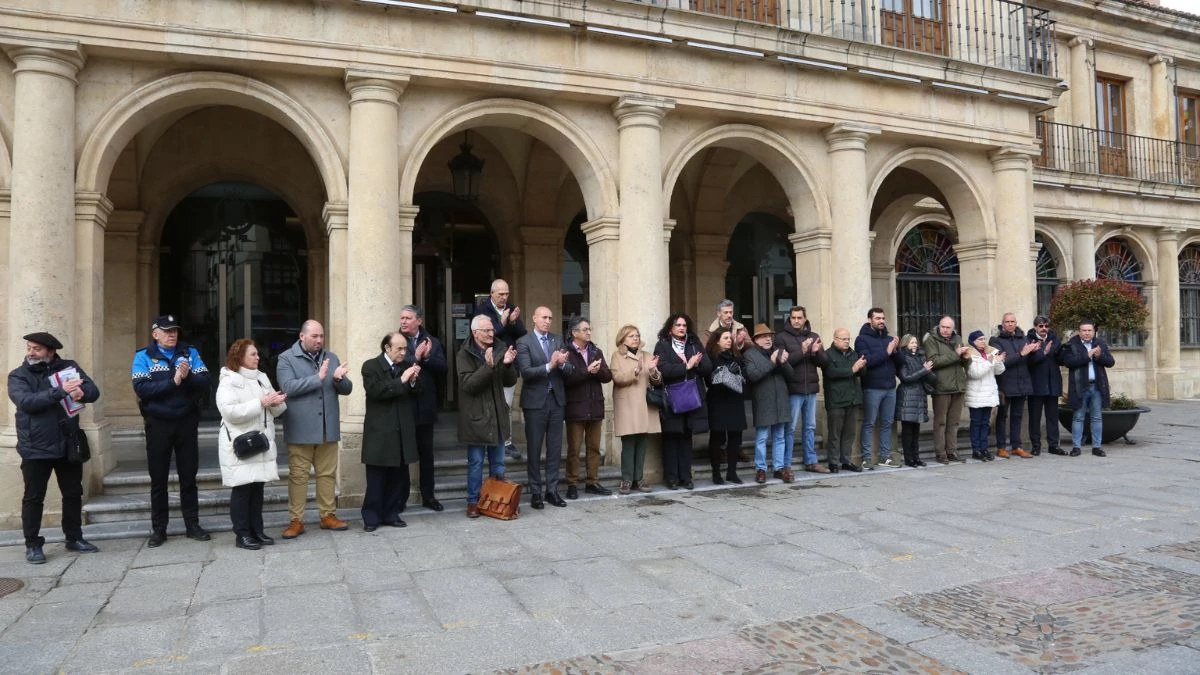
(78, 448)
(727, 378)
(251, 443)
(500, 499)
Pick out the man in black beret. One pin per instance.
(49, 392)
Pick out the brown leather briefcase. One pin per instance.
(500, 499)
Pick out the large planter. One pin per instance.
(1117, 423)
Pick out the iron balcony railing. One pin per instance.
(1095, 151)
(1002, 33)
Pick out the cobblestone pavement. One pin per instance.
(1052, 564)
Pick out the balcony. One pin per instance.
(1095, 151)
(1005, 34)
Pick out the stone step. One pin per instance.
(213, 502)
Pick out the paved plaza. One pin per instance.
(1051, 564)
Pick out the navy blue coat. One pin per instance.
(1075, 356)
(1044, 373)
(1015, 380)
(154, 382)
(881, 369)
(433, 369)
(505, 334)
(43, 426)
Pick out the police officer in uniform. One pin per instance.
(168, 376)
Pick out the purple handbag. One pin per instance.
(683, 397)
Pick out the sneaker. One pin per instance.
(892, 463)
(1075, 452)
(624, 487)
(868, 467)
(511, 451)
(643, 486)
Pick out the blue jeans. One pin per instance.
(878, 404)
(805, 404)
(981, 421)
(1090, 402)
(780, 456)
(475, 453)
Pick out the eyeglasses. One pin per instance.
(485, 330)
(1042, 325)
(583, 330)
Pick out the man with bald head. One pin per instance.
(542, 361)
(313, 379)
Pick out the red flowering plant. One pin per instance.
(1113, 304)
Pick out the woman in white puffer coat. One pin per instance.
(982, 392)
(247, 402)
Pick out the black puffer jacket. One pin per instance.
(912, 404)
(1015, 380)
(43, 426)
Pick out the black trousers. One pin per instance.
(909, 433)
(165, 438)
(677, 457)
(544, 424)
(1036, 405)
(386, 494)
(245, 509)
(70, 483)
(425, 459)
(1008, 418)
(724, 445)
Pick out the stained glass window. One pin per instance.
(1047, 277)
(1189, 295)
(1116, 260)
(926, 280)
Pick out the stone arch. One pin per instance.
(784, 160)
(1057, 250)
(897, 219)
(1187, 240)
(117, 127)
(1145, 253)
(5, 165)
(941, 220)
(950, 175)
(549, 126)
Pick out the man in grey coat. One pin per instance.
(313, 379)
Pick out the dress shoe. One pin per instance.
(911, 465)
(852, 467)
(732, 477)
(987, 456)
(399, 522)
(597, 489)
(1035, 452)
(642, 486)
(472, 510)
(330, 521)
(1075, 452)
(975, 454)
(34, 555)
(1099, 453)
(264, 539)
(293, 530)
(81, 546)
(248, 543)
(196, 532)
(370, 528)
(788, 476)
(919, 463)
(1020, 452)
(778, 473)
(433, 505)
(553, 499)
(718, 479)
(834, 468)
(572, 492)
(157, 538)
(954, 458)
(1057, 451)
(672, 485)
(1002, 453)
(816, 468)
(688, 485)
(535, 502)
(760, 476)
(624, 487)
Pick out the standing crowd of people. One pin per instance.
(676, 386)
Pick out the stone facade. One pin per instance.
(618, 114)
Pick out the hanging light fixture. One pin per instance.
(465, 171)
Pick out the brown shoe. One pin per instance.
(816, 468)
(642, 486)
(760, 476)
(625, 487)
(1021, 452)
(788, 476)
(294, 529)
(331, 522)
(472, 510)
(1002, 453)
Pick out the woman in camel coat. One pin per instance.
(633, 371)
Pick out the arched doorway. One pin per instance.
(761, 278)
(575, 273)
(233, 264)
(927, 284)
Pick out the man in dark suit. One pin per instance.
(542, 362)
(388, 440)
(427, 352)
(506, 320)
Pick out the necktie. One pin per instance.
(546, 346)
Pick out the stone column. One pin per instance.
(977, 273)
(603, 238)
(1016, 277)
(814, 270)
(404, 265)
(543, 279)
(1083, 84)
(126, 322)
(1083, 249)
(851, 213)
(711, 268)
(6, 411)
(1167, 324)
(643, 291)
(92, 211)
(1162, 96)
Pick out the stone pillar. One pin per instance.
(6, 410)
(41, 283)
(814, 270)
(1083, 83)
(92, 211)
(850, 208)
(603, 238)
(404, 265)
(1162, 96)
(543, 280)
(643, 291)
(1167, 324)
(1083, 249)
(1016, 277)
(977, 271)
(125, 323)
(711, 267)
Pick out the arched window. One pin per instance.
(1047, 276)
(1116, 260)
(926, 280)
(1189, 295)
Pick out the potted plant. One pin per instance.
(1115, 306)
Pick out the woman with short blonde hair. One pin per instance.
(633, 371)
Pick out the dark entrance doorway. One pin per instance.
(761, 280)
(234, 264)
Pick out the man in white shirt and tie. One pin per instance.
(542, 362)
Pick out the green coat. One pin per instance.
(948, 366)
(842, 386)
(389, 427)
(483, 414)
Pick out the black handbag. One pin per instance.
(656, 397)
(250, 443)
(78, 448)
